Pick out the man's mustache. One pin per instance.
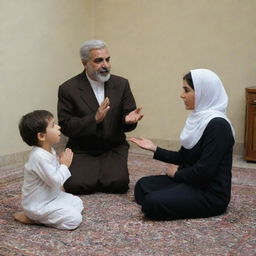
(104, 69)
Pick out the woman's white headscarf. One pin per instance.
(211, 101)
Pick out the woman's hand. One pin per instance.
(144, 143)
(171, 170)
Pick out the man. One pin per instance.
(95, 109)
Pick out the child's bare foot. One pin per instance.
(21, 217)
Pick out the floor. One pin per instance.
(114, 224)
(239, 161)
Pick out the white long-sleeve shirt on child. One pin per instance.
(42, 198)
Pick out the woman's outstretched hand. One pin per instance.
(144, 143)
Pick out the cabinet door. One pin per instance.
(251, 127)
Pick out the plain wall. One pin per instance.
(39, 48)
(152, 43)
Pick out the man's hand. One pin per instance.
(134, 116)
(144, 143)
(102, 110)
(171, 170)
(66, 157)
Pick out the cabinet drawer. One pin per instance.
(251, 98)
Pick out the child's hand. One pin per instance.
(66, 157)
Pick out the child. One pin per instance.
(43, 201)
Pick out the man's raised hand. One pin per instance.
(102, 110)
(134, 116)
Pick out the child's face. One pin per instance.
(52, 135)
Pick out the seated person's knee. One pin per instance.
(77, 188)
(118, 186)
(71, 222)
(150, 207)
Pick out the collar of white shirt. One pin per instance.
(98, 89)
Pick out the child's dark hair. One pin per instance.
(33, 123)
(189, 80)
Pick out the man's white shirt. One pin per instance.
(98, 89)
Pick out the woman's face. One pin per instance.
(188, 96)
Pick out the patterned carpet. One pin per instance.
(114, 224)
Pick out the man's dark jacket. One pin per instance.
(77, 106)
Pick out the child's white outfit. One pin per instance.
(42, 198)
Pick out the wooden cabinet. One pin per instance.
(250, 124)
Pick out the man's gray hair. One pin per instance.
(88, 46)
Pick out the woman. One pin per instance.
(198, 183)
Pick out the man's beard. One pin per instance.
(102, 75)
